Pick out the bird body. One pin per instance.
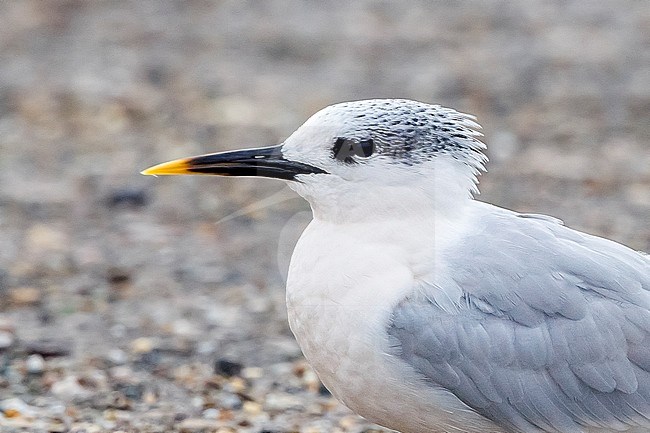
(425, 310)
(344, 334)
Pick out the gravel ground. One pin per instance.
(147, 305)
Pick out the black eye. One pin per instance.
(366, 148)
(345, 148)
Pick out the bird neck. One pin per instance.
(442, 193)
(422, 202)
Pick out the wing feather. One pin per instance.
(552, 332)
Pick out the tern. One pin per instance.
(425, 310)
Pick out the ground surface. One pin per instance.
(144, 305)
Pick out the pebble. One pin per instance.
(197, 425)
(142, 345)
(14, 407)
(35, 364)
(22, 296)
(117, 356)
(319, 426)
(197, 401)
(127, 198)
(228, 368)
(311, 381)
(236, 384)
(84, 427)
(41, 237)
(6, 339)
(279, 402)
(184, 328)
(638, 194)
(6, 324)
(252, 373)
(118, 330)
(149, 397)
(211, 413)
(151, 359)
(49, 347)
(227, 400)
(252, 408)
(131, 391)
(206, 347)
(349, 422)
(69, 389)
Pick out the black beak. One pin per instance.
(263, 161)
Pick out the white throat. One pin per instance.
(439, 188)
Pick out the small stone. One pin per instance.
(252, 373)
(118, 276)
(227, 368)
(150, 397)
(35, 364)
(117, 356)
(226, 415)
(349, 422)
(184, 328)
(151, 359)
(57, 427)
(14, 407)
(127, 198)
(311, 381)
(228, 400)
(69, 389)
(131, 391)
(121, 373)
(314, 409)
(6, 340)
(42, 237)
(211, 413)
(11, 413)
(205, 347)
(197, 425)
(142, 345)
(236, 385)
(6, 324)
(197, 401)
(281, 402)
(110, 414)
(638, 194)
(252, 408)
(119, 401)
(21, 296)
(49, 347)
(118, 330)
(84, 427)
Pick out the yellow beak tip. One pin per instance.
(179, 166)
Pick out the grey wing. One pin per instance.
(552, 332)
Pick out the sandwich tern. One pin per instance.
(425, 310)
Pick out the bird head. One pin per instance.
(357, 155)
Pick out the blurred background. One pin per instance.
(140, 304)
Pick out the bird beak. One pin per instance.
(262, 161)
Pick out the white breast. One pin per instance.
(341, 290)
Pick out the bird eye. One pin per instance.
(345, 148)
(366, 148)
